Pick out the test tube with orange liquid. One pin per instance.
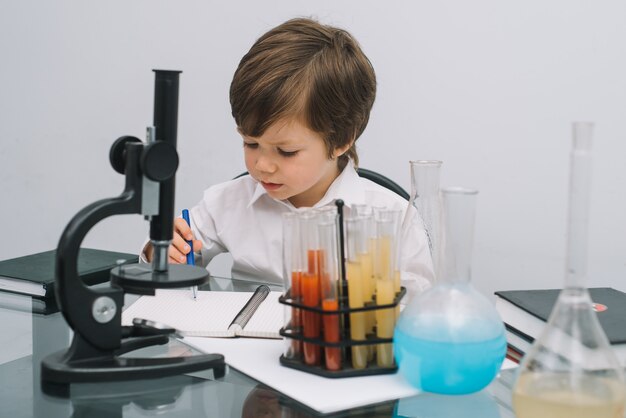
(292, 274)
(310, 285)
(329, 279)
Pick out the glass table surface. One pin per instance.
(30, 330)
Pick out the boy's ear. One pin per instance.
(339, 151)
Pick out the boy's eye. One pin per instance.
(287, 153)
(251, 145)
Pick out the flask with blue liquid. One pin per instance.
(450, 339)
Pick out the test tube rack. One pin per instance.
(345, 343)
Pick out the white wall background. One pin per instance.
(490, 87)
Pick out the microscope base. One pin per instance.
(64, 367)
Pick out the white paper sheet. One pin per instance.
(259, 359)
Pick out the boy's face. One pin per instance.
(291, 162)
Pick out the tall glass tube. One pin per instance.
(292, 277)
(425, 197)
(310, 285)
(386, 227)
(395, 217)
(355, 278)
(570, 370)
(366, 250)
(329, 280)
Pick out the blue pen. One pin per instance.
(190, 255)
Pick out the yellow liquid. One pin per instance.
(540, 395)
(373, 248)
(357, 320)
(368, 295)
(396, 287)
(368, 289)
(396, 280)
(366, 270)
(385, 322)
(384, 258)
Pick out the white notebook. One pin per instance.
(212, 314)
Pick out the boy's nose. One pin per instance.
(265, 164)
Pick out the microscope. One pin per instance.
(94, 314)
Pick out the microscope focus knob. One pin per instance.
(159, 161)
(117, 154)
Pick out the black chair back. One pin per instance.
(376, 178)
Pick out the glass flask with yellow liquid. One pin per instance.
(570, 371)
(450, 339)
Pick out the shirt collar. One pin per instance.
(347, 186)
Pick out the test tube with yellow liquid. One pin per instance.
(395, 215)
(355, 279)
(384, 265)
(366, 249)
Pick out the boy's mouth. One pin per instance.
(270, 186)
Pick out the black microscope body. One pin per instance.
(95, 314)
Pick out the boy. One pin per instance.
(301, 97)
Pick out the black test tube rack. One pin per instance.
(345, 343)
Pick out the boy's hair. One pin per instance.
(312, 72)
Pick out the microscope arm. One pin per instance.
(95, 314)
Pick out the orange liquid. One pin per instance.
(315, 261)
(310, 286)
(331, 335)
(296, 320)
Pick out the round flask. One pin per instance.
(450, 339)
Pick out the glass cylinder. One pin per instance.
(385, 269)
(570, 370)
(355, 230)
(425, 197)
(329, 280)
(310, 285)
(450, 339)
(395, 217)
(292, 277)
(366, 250)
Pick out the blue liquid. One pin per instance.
(448, 368)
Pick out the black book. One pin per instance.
(34, 274)
(525, 313)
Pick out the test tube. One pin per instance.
(310, 285)
(355, 279)
(397, 254)
(365, 250)
(329, 279)
(292, 275)
(384, 270)
(396, 217)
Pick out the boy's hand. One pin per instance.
(179, 248)
(177, 253)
